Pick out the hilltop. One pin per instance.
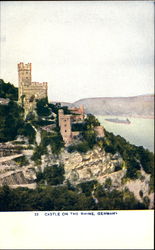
(135, 106)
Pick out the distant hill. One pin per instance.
(136, 106)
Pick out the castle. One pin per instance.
(67, 120)
(28, 91)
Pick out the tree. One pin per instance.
(11, 117)
(42, 107)
(54, 174)
(108, 183)
(28, 131)
(92, 121)
(87, 187)
(53, 139)
(7, 90)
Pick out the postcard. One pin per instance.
(77, 124)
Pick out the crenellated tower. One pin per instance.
(24, 78)
(29, 91)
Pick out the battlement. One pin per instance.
(30, 90)
(22, 66)
(41, 84)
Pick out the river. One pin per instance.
(139, 132)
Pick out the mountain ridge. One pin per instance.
(133, 106)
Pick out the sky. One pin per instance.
(82, 49)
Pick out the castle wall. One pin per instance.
(99, 131)
(29, 91)
(78, 113)
(39, 91)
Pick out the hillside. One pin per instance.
(38, 171)
(136, 106)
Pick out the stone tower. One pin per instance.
(65, 126)
(28, 91)
(24, 79)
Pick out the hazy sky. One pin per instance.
(82, 49)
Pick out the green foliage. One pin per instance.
(41, 122)
(27, 130)
(81, 147)
(22, 161)
(30, 117)
(151, 183)
(108, 183)
(7, 90)
(42, 107)
(131, 154)
(147, 159)
(11, 117)
(132, 167)
(38, 152)
(54, 140)
(146, 201)
(40, 177)
(55, 107)
(141, 193)
(115, 199)
(66, 110)
(79, 126)
(91, 121)
(50, 198)
(88, 135)
(53, 175)
(87, 187)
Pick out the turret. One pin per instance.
(24, 78)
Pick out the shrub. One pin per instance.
(11, 119)
(87, 187)
(42, 107)
(53, 175)
(22, 161)
(7, 90)
(28, 131)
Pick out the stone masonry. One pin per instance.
(66, 121)
(65, 126)
(29, 91)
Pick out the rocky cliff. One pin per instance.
(96, 165)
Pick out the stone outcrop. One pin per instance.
(17, 176)
(95, 164)
(14, 175)
(79, 167)
(98, 165)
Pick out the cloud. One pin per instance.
(82, 49)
